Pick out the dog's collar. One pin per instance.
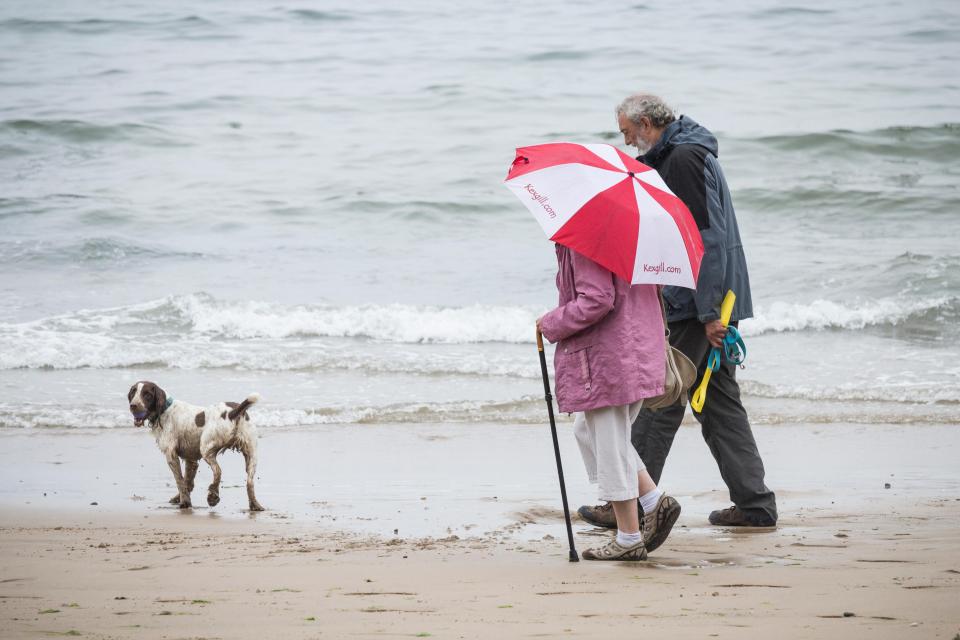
(156, 420)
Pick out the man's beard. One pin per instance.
(642, 147)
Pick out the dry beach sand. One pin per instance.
(851, 557)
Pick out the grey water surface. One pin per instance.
(304, 199)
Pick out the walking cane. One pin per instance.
(556, 444)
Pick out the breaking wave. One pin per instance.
(78, 350)
(907, 393)
(526, 410)
(199, 331)
(826, 314)
(201, 315)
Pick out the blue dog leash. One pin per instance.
(733, 347)
(734, 350)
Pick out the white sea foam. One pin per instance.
(37, 416)
(202, 317)
(526, 410)
(905, 393)
(825, 409)
(198, 331)
(820, 314)
(76, 350)
(390, 323)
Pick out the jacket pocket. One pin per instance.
(579, 361)
(576, 349)
(585, 367)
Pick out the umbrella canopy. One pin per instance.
(617, 211)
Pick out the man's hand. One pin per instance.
(538, 324)
(715, 332)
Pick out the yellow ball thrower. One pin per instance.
(733, 350)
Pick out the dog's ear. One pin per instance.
(159, 401)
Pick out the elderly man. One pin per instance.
(685, 155)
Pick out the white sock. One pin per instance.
(628, 539)
(648, 502)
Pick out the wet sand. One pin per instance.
(851, 557)
(823, 575)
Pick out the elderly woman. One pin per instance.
(609, 358)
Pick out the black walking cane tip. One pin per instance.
(556, 445)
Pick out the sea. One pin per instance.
(305, 199)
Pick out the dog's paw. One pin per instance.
(175, 499)
(256, 506)
(186, 504)
(213, 499)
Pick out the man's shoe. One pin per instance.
(734, 517)
(658, 523)
(600, 515)
(614, 551)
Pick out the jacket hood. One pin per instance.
(686, 130)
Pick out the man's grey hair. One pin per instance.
(649, 105)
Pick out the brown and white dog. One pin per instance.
(190, 432)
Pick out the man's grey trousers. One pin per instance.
(723, 422)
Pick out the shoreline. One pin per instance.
(460, 479)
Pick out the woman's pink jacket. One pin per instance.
(610, 335)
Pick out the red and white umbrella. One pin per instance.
(617, 211)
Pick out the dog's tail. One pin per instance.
(241, 409)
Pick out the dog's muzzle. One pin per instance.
(138, 417)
